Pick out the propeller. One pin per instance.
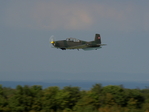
(51, 40)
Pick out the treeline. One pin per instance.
(72, 99)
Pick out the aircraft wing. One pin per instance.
(78, 47)
(83, 46)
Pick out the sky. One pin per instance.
(26, 26)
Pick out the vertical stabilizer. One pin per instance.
(98, 38)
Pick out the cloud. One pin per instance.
(51, 15)
(55, 15)
(120, 17)
(48, 15)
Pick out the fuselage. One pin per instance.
(64, 44)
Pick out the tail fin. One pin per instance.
(98, 38)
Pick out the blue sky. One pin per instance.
(26, 26)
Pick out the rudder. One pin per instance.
(98, 38)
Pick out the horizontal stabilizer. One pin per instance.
(102, 44)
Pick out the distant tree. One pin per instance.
(86, 102)
(90, 100)
(62, 98)
(73, 95)
(26, 99)
(135, 98)
(16, 101)
(3, 101)
(37, 95)
(145, 93)
(97, 88)
(114, 95)
(97, 96)
(49, 101)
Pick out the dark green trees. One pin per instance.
(114, 95)
(26, 99)
(71, 99)
(3, 100)
(73, 94)
(49, 101)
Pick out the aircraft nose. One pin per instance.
(52, 42)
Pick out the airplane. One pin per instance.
(73, 43)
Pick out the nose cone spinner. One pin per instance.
(51, 39)
(52, 42)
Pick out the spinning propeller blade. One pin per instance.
(51, 39)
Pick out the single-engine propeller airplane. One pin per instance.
(73, 43)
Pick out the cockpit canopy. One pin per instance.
(72, 40)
